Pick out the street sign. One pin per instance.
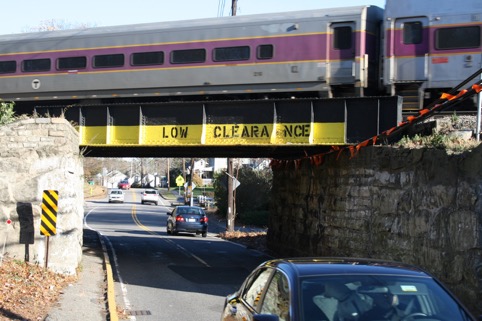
(193, 185)
(25, 218)
(180, 180)
(236, 183)
(48, 219)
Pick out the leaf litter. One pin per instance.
(28, 291)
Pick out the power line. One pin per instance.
(221, 5)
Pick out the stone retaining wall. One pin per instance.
(419, 206)
(35, 155)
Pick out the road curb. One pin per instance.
(111, 304)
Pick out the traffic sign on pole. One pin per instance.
(180, 180)
(48, 219)
(236, 183)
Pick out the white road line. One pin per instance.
(127, 303)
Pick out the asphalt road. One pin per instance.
(163, 277)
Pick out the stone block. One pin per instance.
(31, 164)
(418, 206)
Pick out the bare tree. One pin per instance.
(54, 24)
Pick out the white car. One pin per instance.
(150, 196)
(116, 195)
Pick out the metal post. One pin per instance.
(27, 253)
(479, 107)
(230, 214)
(47, 252)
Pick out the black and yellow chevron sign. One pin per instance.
(48, 220)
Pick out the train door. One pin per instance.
(341, 53)
(410, 48)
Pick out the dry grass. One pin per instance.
(94, 191)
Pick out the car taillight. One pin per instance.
(179, 218)
(204, 219)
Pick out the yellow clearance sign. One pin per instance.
(227, 123)
(48, 219)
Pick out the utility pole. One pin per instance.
(231, 215)
(168, 175)
(189, 193)
(234, 5)
(142, 171)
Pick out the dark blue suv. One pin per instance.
(189, 219)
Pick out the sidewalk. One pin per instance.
(87, 299)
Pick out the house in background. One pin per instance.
(110, 179)
(207, 169)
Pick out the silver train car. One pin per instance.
(412, 48)
(329, 52)
(430, 46)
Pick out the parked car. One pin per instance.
(308, 289)
(124, 184)
(116, 195)
(150, 196)
(190, 219)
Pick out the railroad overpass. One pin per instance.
(250, 128)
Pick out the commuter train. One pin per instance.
(412, 48)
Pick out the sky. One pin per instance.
(22, 15)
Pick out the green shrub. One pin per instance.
(7, 115)
(252, 195)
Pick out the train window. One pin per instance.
(342, 38)
(71, 63)
(457, 38)
(412, 33)
(147, 58)
(265, 52)
(33, 65)
(7, 67)
(106, 61)
(231, 53)
(188, 56)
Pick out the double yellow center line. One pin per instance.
(145, 228)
